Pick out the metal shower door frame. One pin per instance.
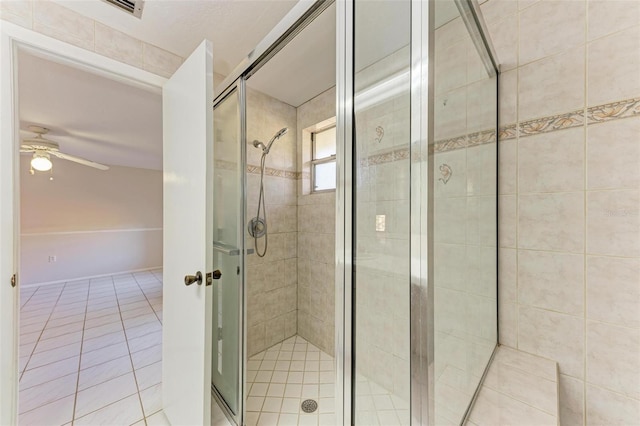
(292, 24)
(421, 198)
(420, 221)
(238, 87)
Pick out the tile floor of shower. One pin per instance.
(280, 378)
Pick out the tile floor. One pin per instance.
(91, 352)
(286, 374)
(376, 406)
(283, 376)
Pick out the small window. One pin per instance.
(323, 160)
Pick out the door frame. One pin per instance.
(13, 39)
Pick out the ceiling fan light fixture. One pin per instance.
(41, 162)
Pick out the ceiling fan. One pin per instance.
(43, 149)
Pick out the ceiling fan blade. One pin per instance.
(79, 160)
(22, 151)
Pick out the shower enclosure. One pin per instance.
(411, 323)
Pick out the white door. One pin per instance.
(187, 100)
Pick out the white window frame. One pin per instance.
(315, 161)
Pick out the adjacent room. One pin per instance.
(90, 245)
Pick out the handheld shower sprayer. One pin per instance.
(257, 226)
(278, 135)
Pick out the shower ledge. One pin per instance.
(519, 389)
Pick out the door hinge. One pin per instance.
(14, 279)
(219, 333)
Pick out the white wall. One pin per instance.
(93, 222)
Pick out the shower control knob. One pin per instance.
(217, 274)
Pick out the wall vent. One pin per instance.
(133, 7)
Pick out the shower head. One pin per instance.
(278, 135)
(275, 137)
(281, 133)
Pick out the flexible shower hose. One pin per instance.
(261, 205)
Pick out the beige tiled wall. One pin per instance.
(316, 236)
(272, 280)
(54, 20)
(570, 197)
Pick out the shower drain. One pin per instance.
(309, 406)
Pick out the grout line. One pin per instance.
(106, 380)
(40, 335)
(147, 299)
(52, 362)
(126, 339)
(108, 405)
(45, 404)
(75, 398)
(557, 415)
(517, 190)
(585, 222)
(28, 298)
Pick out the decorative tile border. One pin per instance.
(385, 157)
(507, 132)
(597, 114)
(269, 171)
(614, 111)
(594, 115)
(450, 144)
(481, 138)
(551, 124)
(465, 141)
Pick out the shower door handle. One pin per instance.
(226, 249)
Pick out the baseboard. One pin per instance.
(88, 278)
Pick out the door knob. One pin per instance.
(190, 279)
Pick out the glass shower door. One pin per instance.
(422, 158)
(381, 204)
(228, 248)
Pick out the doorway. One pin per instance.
(90, 246)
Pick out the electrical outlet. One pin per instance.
(53, 259)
